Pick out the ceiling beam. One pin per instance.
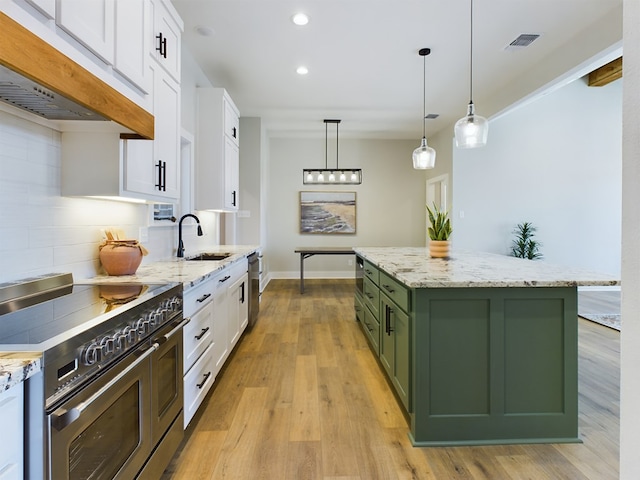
(606, 74)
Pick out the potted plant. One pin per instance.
(439, 232)
(524, 245)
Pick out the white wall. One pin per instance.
(390, 201)
(555, 162)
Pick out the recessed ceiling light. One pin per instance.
(300, 19)
(302, 70)
(204, 30)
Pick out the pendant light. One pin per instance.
(424, 156)
(331, 176)
(471, 131)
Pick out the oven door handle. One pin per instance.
(61, 418)
(166, 337)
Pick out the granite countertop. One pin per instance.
(16, 367)
(416, 269)
(179, 270)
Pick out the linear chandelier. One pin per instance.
(331, 176)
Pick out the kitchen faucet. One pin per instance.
(180, 244)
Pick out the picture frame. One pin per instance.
(327, 213)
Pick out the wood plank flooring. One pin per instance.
(303, 398)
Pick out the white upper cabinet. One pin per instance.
(217, 152)
(133, 28)
(92, 23)
(153, 167)
(167, 34)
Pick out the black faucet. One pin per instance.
(180, 244)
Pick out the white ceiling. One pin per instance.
(363, 60)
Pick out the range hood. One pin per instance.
(37, 78)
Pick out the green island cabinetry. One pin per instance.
(476, 357)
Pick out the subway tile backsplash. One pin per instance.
(43, 232)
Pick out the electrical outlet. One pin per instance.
(143, 234)
(350, 262)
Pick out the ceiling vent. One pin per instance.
(523, 40)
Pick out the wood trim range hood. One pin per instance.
(38, 78)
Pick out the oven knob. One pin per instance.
(120, 339)
(107, 345)
(142, 326)
(92, 354)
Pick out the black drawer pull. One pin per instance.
(203, 297)
(204, 330)
(389, 289)
(204, 380)
(225, 279)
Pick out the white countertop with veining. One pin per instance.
(16, 367)
(180, 270)
(416, 269)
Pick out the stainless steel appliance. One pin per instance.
(254, 288)
(109, 400)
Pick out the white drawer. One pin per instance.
(197, 382)
(198, 334)
(199, 296)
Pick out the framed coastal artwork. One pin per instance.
(328, 212)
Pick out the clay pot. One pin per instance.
(439, 248)
(121, 257)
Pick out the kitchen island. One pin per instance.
(479, 348)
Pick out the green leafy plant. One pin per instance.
(440, 228)
(524, 245)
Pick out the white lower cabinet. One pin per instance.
(218, 313)
(197, 383)
(11, 419)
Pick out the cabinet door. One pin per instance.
(152, 167)
(231, 174)
(395, 347)
(91, 23)
(231, 122)
(220, 329)
(47, 7)
(132, 26)
(166, 109)
(166, 39)
(402, 356)
(11, 416)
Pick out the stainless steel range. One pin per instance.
(109, 400)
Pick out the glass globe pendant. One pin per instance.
(471, 131)
(424, 157)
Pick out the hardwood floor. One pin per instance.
(303, 398)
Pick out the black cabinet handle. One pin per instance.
(224, 279)
(204, 330)
(388, 288)
(203, 298)
(233, 202)
(162, 45)
(234, 132)
(387, 319)
(204, 380)
(242, 293)
(162, 176)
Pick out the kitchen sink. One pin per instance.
(210, 256)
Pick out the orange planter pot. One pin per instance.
(121, 257)
(439, 248)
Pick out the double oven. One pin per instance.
(108, 403)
